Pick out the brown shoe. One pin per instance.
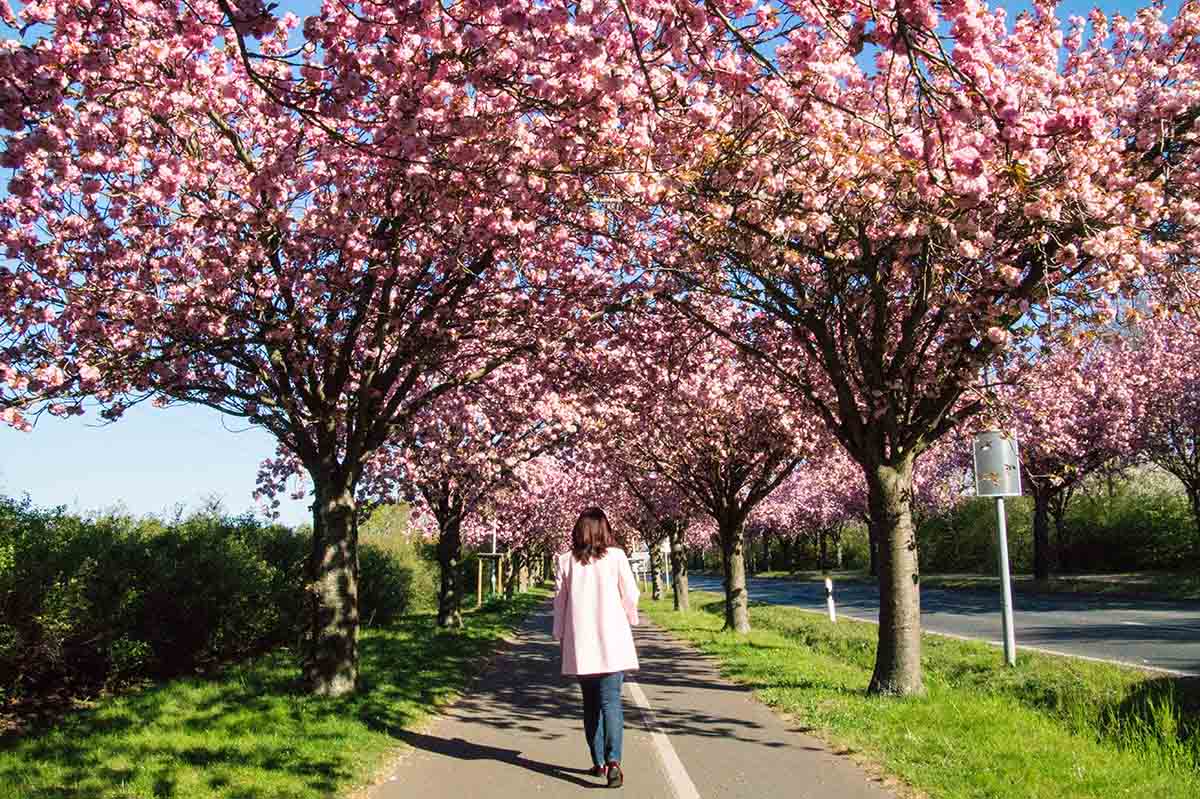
(598, 771)
(615, 778)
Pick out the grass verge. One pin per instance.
(1139, 585)
(250, 733)
(1051, 728)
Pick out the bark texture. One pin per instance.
(331, 663)
(656, 572)
(449, 551)
(679, 569)
(513, 584)
(898, 659)
(873, 548)
(733, 556)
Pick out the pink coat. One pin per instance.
(593, 609)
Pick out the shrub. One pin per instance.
(963, 539)
(89, 602)
(386, 529)
(856, 549)
(1139, 521)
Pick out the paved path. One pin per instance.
(1163, 635)
(518, 735)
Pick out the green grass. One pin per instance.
(1052, 728)
(1142, 585)
(251, 733)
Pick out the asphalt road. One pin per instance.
(1164, 635)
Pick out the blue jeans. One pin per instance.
(603, 717)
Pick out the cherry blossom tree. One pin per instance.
(1073, 414)
(539, 508)
(826, 491)
(320, 238)
(1163, 364)
(466, 446)
(684, 408)
(663, 514)
(969, 190)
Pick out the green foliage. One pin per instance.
(386, 530)
(94, 602)
(963, 539)
(1141, 523)
(1051, 727)
(856, 548)
(1138, 522)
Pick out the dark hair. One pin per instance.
(592, 536)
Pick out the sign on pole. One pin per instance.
(997, 468)
(998, 474)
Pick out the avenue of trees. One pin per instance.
(726, 268)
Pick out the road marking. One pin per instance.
(1136, 623)
(1020, 646)
(677, 775)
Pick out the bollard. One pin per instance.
(829, 600)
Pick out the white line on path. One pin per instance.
(681, 783)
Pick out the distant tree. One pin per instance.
(1163, 366)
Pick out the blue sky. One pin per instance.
(148, 461)
(153, 459)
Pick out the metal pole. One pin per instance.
(1010, 640)
(829, 599)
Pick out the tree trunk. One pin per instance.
(1041, 533)
(514, 571)
(898, 658)
(873, 549)
(823, 550)
(522, 567)
(331, 664)
(733, 559)
(837, 548)
(786, 545)
(656, 572)
(449, 550)
(547, 566)
(679, 569)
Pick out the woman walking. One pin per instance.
(595, 605)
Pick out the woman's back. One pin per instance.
(594, 607)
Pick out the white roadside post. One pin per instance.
(829, 599)
(495, 564)
(998, 474)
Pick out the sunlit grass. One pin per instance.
(251, 733)
(1052, 727)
